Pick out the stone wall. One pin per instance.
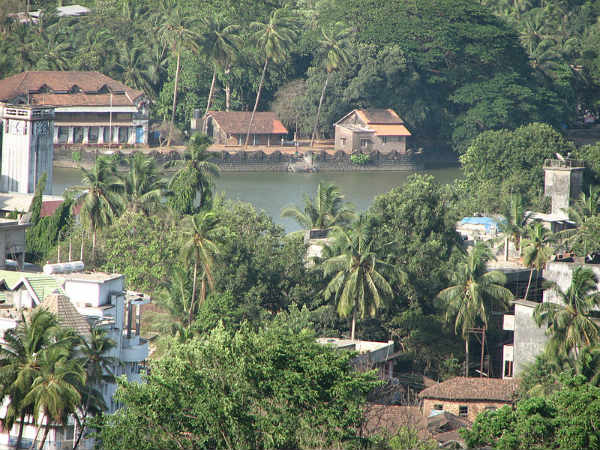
(453, 407)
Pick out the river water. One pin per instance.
(271, 191)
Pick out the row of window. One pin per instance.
(364, 142)
(463, 410)
(93, 134)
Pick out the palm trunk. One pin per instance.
(193, 293)
(174, 98)
(94, 246)
(528, 284)
(203, 289)
(353, 325)
(81, 253)
(227, 88)
(314, 133)
(262, 80)
(46, 429)
(467, 356)
(211, 92)
(21, 427)
(37, 432)
(70, 249)
(58, 253)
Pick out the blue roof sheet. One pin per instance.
(487, 222)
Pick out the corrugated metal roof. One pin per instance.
(42, 285)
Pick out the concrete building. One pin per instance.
(371, 130)
(467, 397)
(94, 300)
(230, 128)
(90, 108)
(27, 148)
(371, 354)
(12, 241)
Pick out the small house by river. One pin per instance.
(231, 127)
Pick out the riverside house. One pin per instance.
(89, 107)
(231, 127)
(371, 130)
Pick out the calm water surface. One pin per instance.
(271, 191)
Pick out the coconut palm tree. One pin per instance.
(177, 31)
(143, 187)
(219, 42)
(515, 220)
(356, 282)
(569, 323)
(192, 184)
(537, 249)
(336, 56)
(274, 37)
(19, 355)
(99, 369)
(326, 210)
(473, 291)
(54, 393)
(133, 67)
(101, 201)
(175, 299)
(199, 249)
(585, 212)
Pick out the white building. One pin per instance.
(98, 298)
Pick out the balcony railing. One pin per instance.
(563, 164)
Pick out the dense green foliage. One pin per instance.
(271, 388)
(564, 420)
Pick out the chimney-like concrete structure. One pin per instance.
(27, 147)
(562, 183)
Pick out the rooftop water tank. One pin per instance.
(61, 268)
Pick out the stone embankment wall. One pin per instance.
(251, 161)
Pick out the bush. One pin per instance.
(360, 159)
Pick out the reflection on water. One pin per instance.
(271, 191)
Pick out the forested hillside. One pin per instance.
(451, 68)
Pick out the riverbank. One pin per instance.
(275, 160)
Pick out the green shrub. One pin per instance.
(360, 159)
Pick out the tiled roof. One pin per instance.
(67, 315)
(42, 285)
(379, 116)
(462, 388)
(59, 83)
(390, 130)
(80, 100)
(236, 122)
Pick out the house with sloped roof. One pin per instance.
(231, 127)
(371, 130)
(467, 397)
(89, 107)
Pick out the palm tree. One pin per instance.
(219, 42)
(326, 210)
(144, 189)
(133, 67)
(274, 37)
(177, 32)
(336, 57)
(101, 202)
(585, 213)
(569, 323)
(192, 184)
(356, 283)
(537, 249)
(175, 299)
(54, 394)
(199, 249)
(515, 220)
(19, 355)
(99, 369)
(473, 292)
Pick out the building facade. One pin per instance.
(230, 128)
(90, 108)
(371, 130)
(467, 397)
(85, 300)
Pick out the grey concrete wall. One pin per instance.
(562, 185)
(529, 339)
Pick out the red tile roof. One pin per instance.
(60, 84)
(49, 207)
(380, 116)
(474, 389)
(236, 122)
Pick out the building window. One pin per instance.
(77, 135)
(63, 134)
(107, 135)
(384, 139)
(463, 411)
(508, 369)
(93, 135)
(364, 143)
(438, 407)
(123, 135)
(343, 141)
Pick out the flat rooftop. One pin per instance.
(88, 276)
(357, 346)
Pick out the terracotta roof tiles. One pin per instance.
(236, 122)
(66, 313)
(462, 388)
